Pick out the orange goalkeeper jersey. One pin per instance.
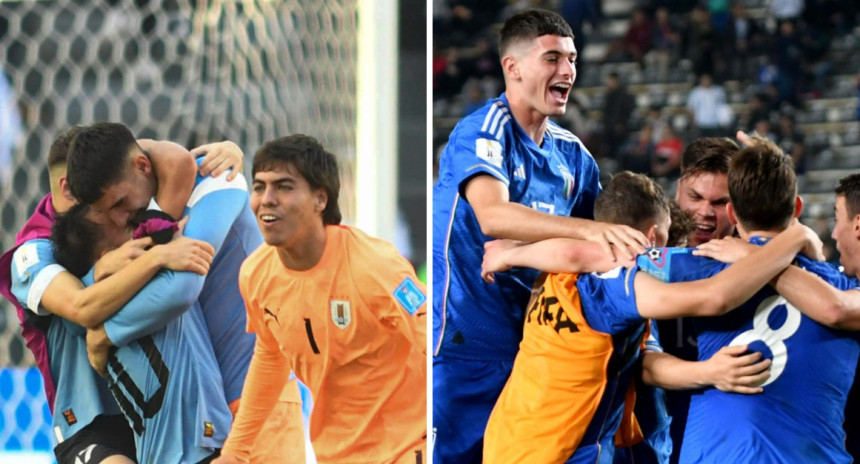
(353, 329)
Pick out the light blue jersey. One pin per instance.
(219, 213)
(81, 394)
(170, 390)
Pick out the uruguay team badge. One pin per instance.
(340, 313)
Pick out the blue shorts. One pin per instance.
(464, 393)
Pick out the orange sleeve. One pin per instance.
(267, 375)
(394, 292)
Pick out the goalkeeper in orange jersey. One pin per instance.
(341, 309)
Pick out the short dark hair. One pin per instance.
(631, 199)
(707, 146)
(311, 160)
(531, 24)
(74, 239)
(849, 187)
(98, 158)
(763, 187)
(59, 151)
(683, 224)
(717, 163)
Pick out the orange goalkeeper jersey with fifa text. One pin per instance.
(353, 328)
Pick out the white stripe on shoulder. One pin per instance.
(39, 285)
(563, 134)
(489, 117)
(497, 110)
(502, 124)
(213, 184)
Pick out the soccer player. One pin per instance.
(167, 384)
(341, 309)
(53, 307)
(507, 172)
(110, 172)
(565, 399)
(801, 409)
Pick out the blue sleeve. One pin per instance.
(473, 150)
(33, 269)
(670, 264)
(829, 273)
(214, 205)
(609, 300)
(589, 186)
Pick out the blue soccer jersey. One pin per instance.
(81, 394)
(798, 417)
(219, 214)
(471, 319)
(170, 390)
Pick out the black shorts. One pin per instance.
(105, 436)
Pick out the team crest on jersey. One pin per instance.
(208, 429)
(490, 151)
(569, 182)
(340, 313)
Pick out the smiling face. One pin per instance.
(286, 208)
(541, 73)
(705, 195)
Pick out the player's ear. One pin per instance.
(730, 211)
(798, 206)
(511, 67)
(651, 234)
(142, 163)
(320, 200)
(65, 189)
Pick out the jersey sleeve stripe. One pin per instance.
(491, 114)
(498, 174)
(39, 285)
(500, 131)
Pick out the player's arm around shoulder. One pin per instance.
(724, 291)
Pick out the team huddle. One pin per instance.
(556, 355)
(163, 340)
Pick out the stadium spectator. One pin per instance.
(708, 107)
(618, 106)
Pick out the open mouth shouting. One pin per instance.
(560, 92)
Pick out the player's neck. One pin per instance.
(532, 121)
(747, 234)
(306, 252)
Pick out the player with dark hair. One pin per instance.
(122, 191)
(507, 172)
(569, 392)
(54, 307)
(174, 403)
(341, 309)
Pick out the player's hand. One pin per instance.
(727, 250)
(494, 252)
(629, 241)
(220, 156)
(814, 247)
(228, 459)
(731, 370)
(98, 349)
(186, 254)
(114, 260)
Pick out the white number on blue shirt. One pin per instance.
(774, 339)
